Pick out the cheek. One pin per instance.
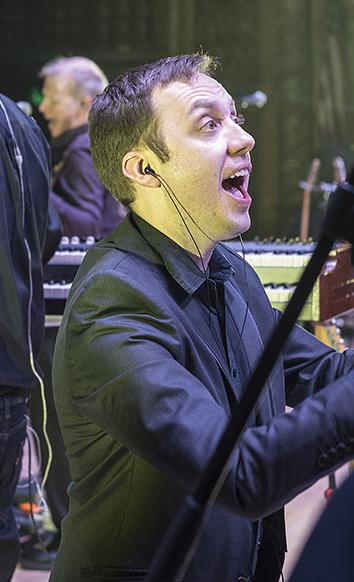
(68, 108)
(57, 110)
(209, 185)
(193, 169)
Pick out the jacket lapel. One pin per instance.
(126, 237)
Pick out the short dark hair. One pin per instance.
(122, 116)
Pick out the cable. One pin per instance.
(169, 191)
(174, 198)
(32, 433)
(30, 494)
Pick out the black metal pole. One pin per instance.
(178, 548)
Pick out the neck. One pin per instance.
(191, 239)
(201, 261)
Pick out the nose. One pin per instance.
(240, 142)
(42, 106)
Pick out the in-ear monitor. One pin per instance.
(148, 170)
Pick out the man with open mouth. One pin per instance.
(161, 331)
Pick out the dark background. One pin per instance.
(299, 52)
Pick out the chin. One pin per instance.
(240, 226)
(229, 227)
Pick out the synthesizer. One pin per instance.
(59, 274)
(278, 263)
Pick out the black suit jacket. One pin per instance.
(142, 386)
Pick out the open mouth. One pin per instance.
(236, 184)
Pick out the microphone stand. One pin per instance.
(172, 559)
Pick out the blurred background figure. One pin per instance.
(82, 202)
(25, 182)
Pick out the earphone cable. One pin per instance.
(174, 199)
(172, 196)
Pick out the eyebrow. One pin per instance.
(208, 104)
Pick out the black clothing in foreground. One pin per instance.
(23, 220)
(24, 187)
(12, 437)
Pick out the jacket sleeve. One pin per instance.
(127, 376)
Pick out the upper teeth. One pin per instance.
(240, 173)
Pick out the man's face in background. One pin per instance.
(62, 107)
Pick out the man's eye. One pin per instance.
(209, 126)
(239, 119)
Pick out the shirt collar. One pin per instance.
(179, 264)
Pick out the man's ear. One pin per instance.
(133, 167)
(85, 103)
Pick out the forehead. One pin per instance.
(186, 97)
(61, 83)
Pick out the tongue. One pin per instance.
(230, 184)
(234, 186)
(243, 190)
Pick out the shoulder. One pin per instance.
(80, 144)
(22, 125)
(107, 266)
